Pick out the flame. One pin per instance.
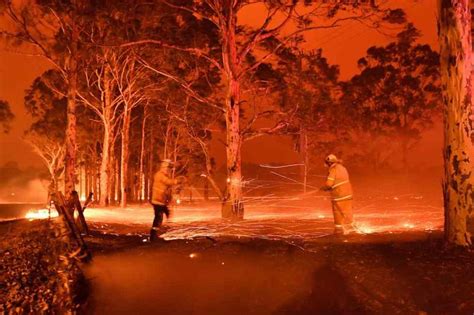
(40, 214)
(408, 225)
(364, 229)
(270, 217)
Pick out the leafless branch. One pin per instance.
(184, 85)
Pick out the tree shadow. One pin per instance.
(329, 294)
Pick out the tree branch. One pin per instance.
(183, 84)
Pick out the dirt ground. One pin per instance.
(36, 274)
(404, 273)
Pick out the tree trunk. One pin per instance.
(167, 140)
(82, 177)
(151, 162)
(117, 193)
(89, 182)
(304, 157)
(87, 178)
(107, 138)
(94, 181)
(454, 32)
(70, 141)
(132, 184)
(141, 173)
(233, 207)
(149, 177)
(111, 168)
(104, 169)
(124, 157)
(111, 179)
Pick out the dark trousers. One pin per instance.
(158, 220)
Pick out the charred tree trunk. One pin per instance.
(454, 31)
(124, 157)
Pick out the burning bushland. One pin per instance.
(183, 87)
(37, 273)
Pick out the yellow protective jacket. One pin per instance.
(161, 193)
(339, 183)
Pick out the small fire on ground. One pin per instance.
(278, 219)
(41, 214)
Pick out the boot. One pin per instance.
(349, 228)
(153, 235)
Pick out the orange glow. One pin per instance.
(280, 218)
(18, 71)
(40, 214)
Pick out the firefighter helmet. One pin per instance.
(331, 159)
(166, 164)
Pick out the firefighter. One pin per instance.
(339, 185)
(161, 196)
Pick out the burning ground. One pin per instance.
(282, 259)
(288, 215)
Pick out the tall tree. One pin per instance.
(46, 103)
(311, 84)
(396, 95)
(53, 28)
(244, 48)
(132, 87)
(113, 23)
(454, 32)
(99, 94)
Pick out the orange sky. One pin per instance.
(342, 46)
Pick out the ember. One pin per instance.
(163, 123)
